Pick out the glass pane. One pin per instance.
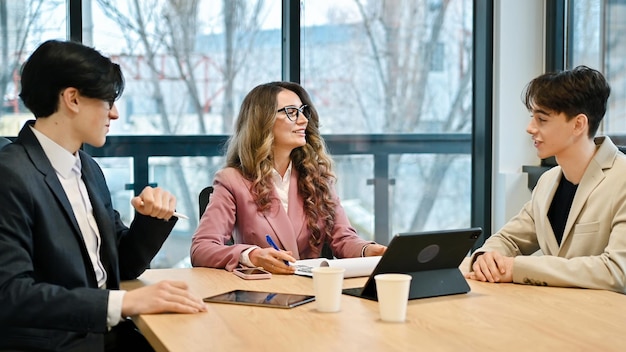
(585, 45)
(431, 192)
(397, 67)
(184, 177)
(597, 31)
(188, 64)
(354, 188)
(391, 67)
(615, 66)
(28, 24)
(118, 173)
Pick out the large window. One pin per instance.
(392, 80)
(596, 35)
(23, 26)
(188, 64)
(395, 67)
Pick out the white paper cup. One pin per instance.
(327, 283)
(393, 296)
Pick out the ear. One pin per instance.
(581, 124)
(69, 99)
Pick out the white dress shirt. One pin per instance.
(68, 169)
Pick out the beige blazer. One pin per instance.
(232, 214)
(592, 253)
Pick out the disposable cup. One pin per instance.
(327, 283)
(393, 296)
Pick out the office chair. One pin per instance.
(4, 141)
(203, 199)
(327, 252)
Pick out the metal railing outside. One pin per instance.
(380, 146)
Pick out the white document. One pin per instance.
(355, 267)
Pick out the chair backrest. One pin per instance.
(203, 199)
(4, 141)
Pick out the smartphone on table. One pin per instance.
(252, 273)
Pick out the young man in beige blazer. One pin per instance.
(577, 212)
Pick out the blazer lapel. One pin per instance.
(281, 224)
(593, 176)
(41, 162)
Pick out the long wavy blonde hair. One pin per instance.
(250, 151)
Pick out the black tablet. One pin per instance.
(263, 299)
(432, 258)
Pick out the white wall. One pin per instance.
(519, 30)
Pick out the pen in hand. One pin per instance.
(178, 215)
(269, 240)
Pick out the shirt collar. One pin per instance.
(62, 161)
(277, 177)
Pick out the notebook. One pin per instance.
(431, 258)
(355, 267)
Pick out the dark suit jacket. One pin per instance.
(49, 297)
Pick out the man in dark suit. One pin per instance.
(63, 248)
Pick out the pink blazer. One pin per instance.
(232, 214)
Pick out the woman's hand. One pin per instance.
(272, 260)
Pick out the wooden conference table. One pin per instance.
(492, 317)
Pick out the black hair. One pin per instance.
(56, 65)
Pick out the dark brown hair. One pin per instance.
(581, 90)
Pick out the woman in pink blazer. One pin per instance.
(278, 181)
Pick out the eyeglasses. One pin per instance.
(293, 113)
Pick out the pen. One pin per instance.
(178, 215)
(181, 216)
(269, 240)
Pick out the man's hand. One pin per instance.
(155, 202)
(273, 260)
(162, 297)
(492, 267)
